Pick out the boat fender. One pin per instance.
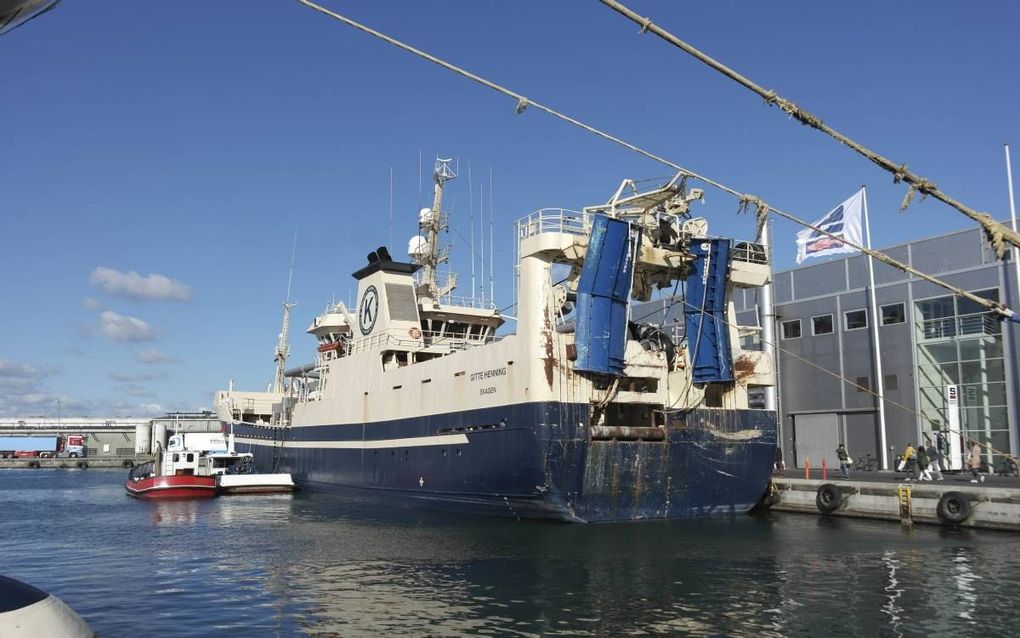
(33, 464)
(415, 333)
(27, 612)
(128, 463)
(828, 499)
(82, 465)
(953, 508)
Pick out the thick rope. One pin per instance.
(998, 234)
(523, 102)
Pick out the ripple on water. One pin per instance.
(323, 566)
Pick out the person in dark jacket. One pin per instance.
(780, 465)
(844, 460)
(934, 463)
(923, 473)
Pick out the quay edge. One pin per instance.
(977, 506)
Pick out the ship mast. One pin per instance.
(282, 346)
(431, 222)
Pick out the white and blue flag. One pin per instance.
(844, 222)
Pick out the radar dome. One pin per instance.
(424, 216)
(417, 246)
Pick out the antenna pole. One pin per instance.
(492, 285)
(471, 199)
(481, 235)
(391, 207)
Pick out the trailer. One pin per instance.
(15, 447)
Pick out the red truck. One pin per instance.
(20, 447)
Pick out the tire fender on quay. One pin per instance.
(828, 498)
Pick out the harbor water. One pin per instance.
(313, 564)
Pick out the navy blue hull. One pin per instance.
(535, 461)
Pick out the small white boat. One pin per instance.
(254, 483)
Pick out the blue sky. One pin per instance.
(187, 142)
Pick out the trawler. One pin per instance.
(580, 414)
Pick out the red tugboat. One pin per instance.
(201, 465)
(182, 471)
(179, 476)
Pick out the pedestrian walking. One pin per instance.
(844, 460)
(934, 463)
(923, 474)
(974, 464)
(906, 459)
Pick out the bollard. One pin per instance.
(807, 468)
(825, 470)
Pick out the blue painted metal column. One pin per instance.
(708, 336)
(603, 291)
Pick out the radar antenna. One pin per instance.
(431, 222)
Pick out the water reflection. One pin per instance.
(323, 566)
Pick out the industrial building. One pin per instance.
(120, 437)
(944, 359)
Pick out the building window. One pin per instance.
(863, 384)
(891, 382)
(893, 313)
(855, 319)
(821, 325)
(791, 329)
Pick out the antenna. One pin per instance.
(471, 191)
(492, 285)
(391, 207)
(481, 235)
(282, 346)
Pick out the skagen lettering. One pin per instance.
(488, 374)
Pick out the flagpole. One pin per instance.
(768, 321)
(1012, 219)
(879, 381)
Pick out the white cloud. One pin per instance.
(148, 409)
(90, 304)
(139, 377)
(14, 370)
(135, 390)
(123, 328)
(152, 355)
(131, 284)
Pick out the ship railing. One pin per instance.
(468, 302)
(397, 340)
(553, 220)
(750, 252)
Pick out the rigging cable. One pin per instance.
(745, 200)
(998, 234)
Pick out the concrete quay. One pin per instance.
(83, 463)
(955, 501)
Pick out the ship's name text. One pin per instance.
(488, 374)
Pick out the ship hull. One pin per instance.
(171, 487)
(534, 461)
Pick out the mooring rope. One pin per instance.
(997, 234)
(745, 200)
